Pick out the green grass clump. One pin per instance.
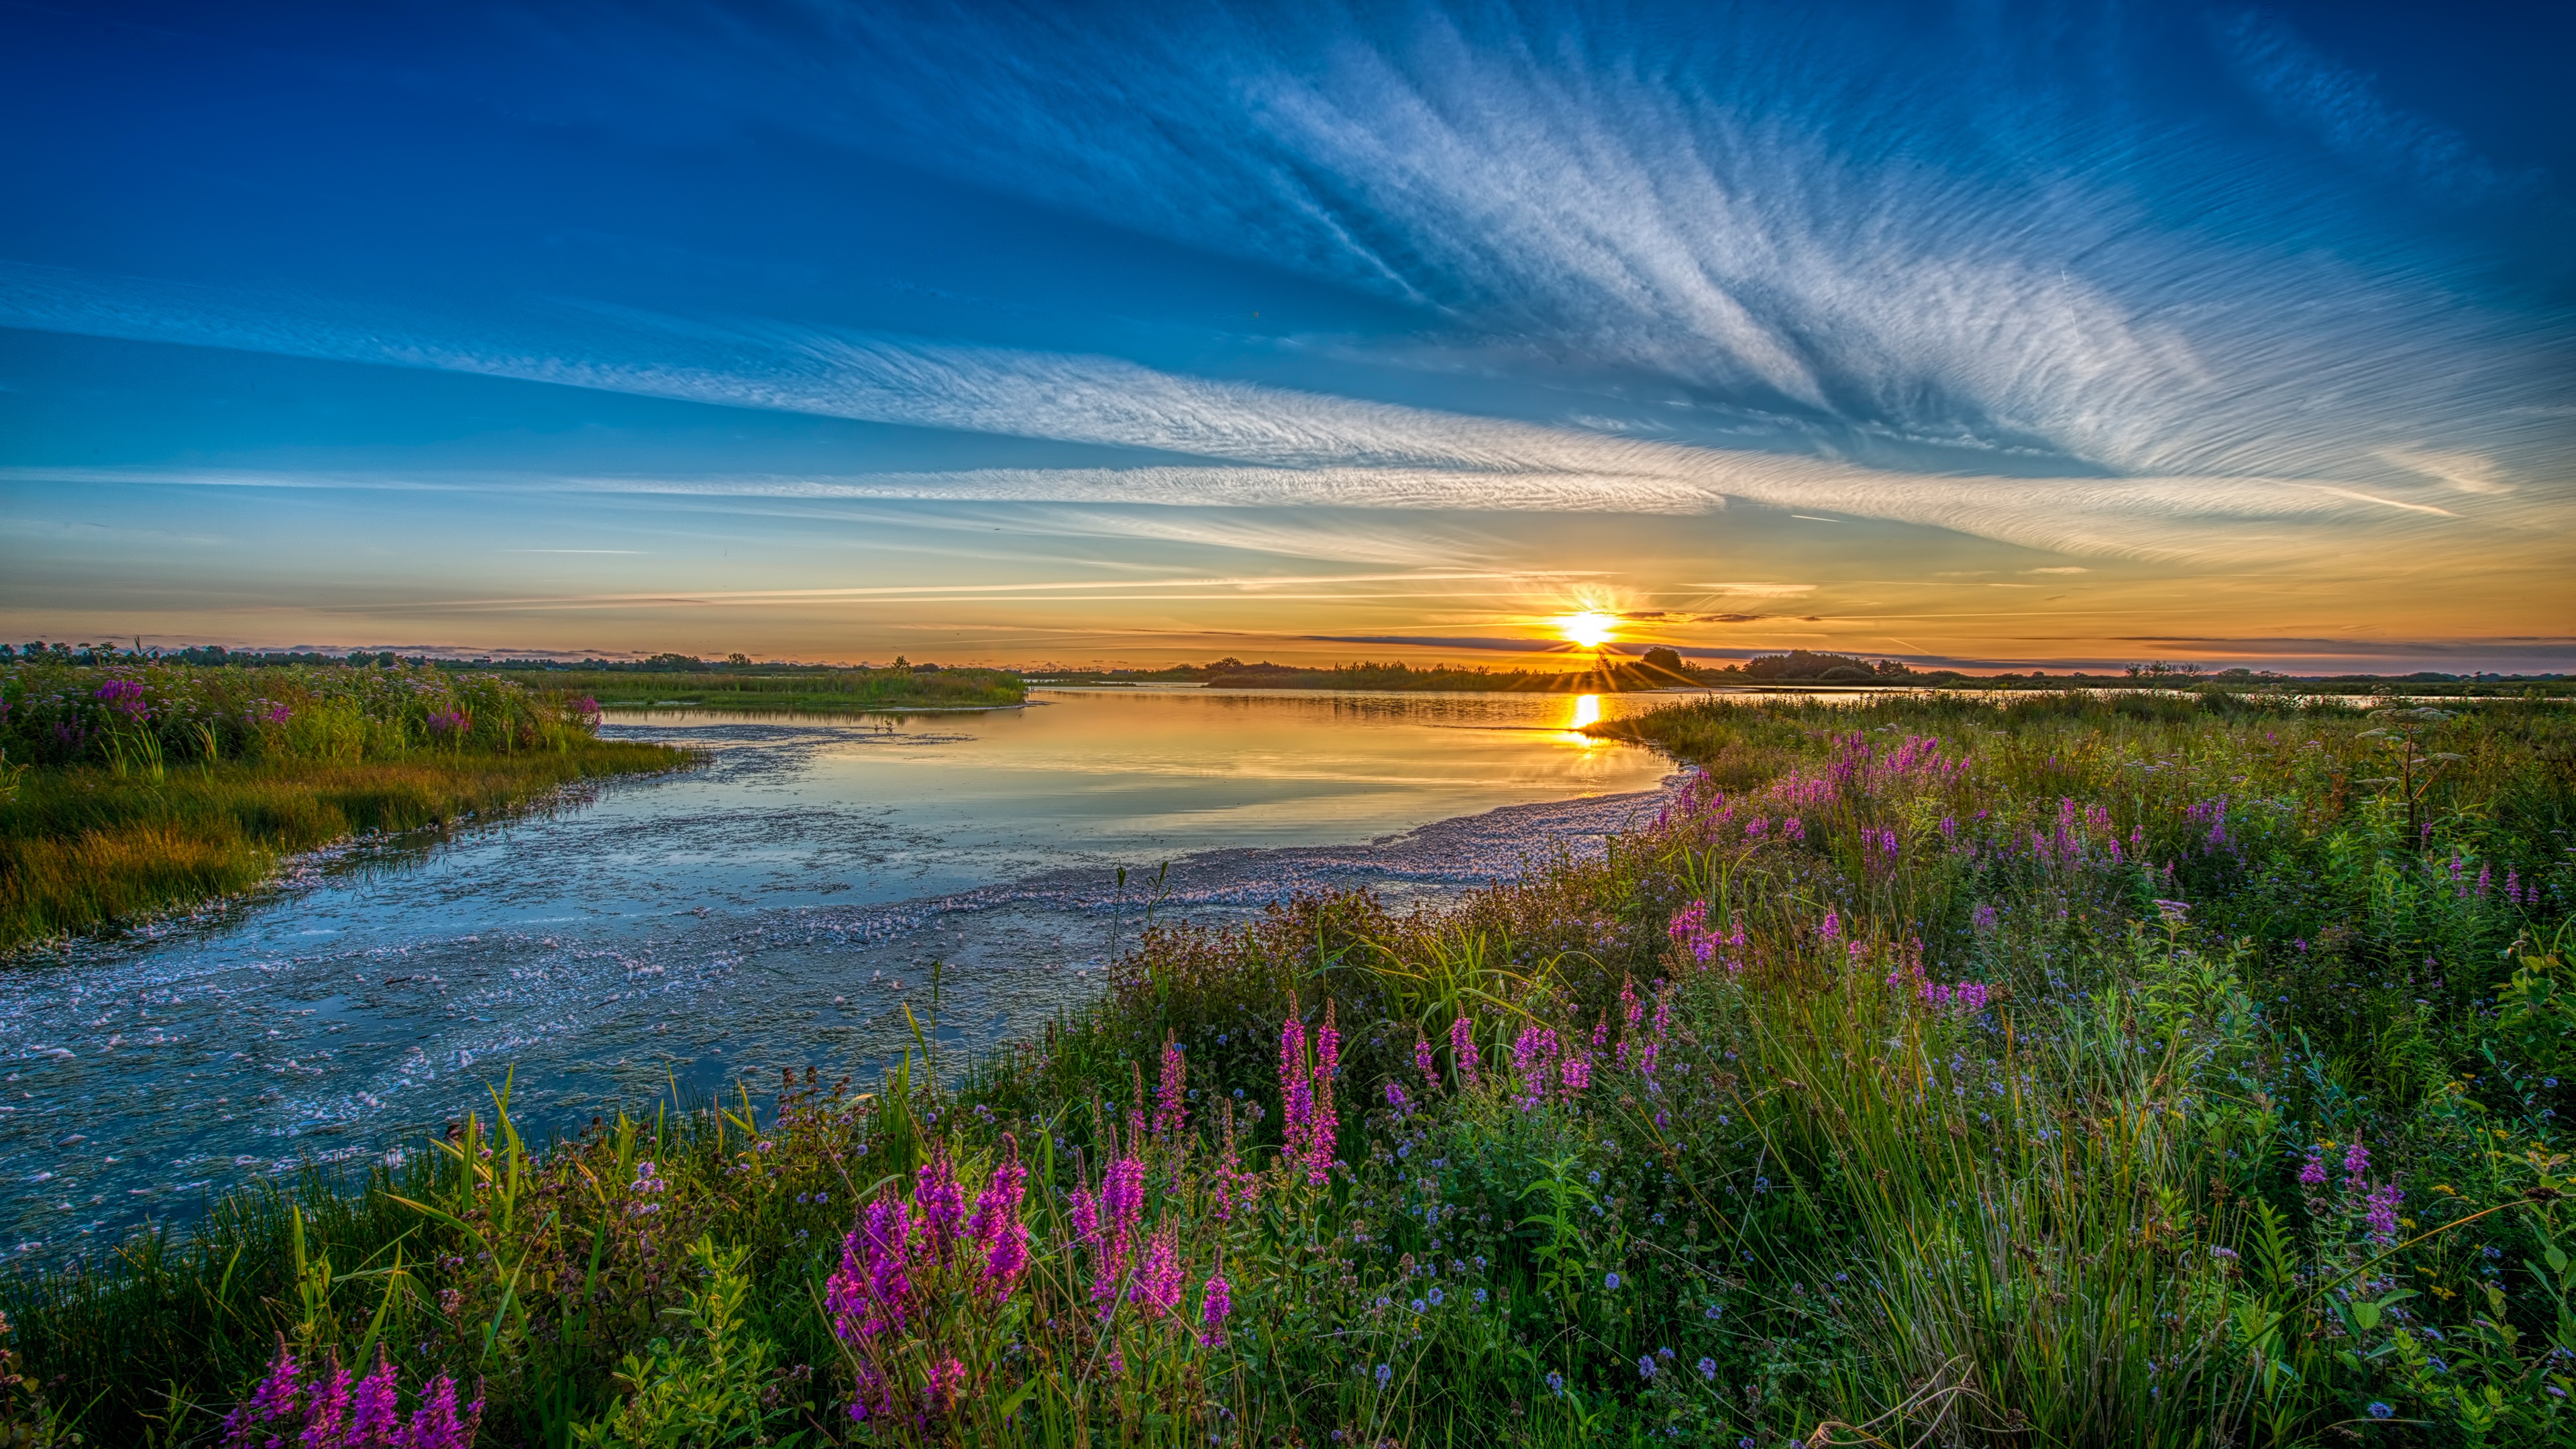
(800, 691)
(2069, 1073)
(147, 787)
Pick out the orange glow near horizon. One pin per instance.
(1591, 628)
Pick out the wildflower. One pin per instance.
(1395, 1096)
(2381, 1218)
(1610, 1281)
(1708, 1369)
(2173, 913)
(1645, 1365)
(1418, 1305)
(1556, 1384)
(1577, 1073)
(1158, 1282)
(1422, 1061)
(996, 1226)
(1384, 1373)
(1480, 1295)
(2379, 1410)
(1832, 929)
(1216, 1303)
(1171, 1116)
(2356, 1163)
(1434, 1296)
(1714, 1310)
(941, 1201)
(1463, 1056)
(2312, 1173)
(947, 1379)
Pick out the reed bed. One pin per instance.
(2078, 1072)
(130, 789)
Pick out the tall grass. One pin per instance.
(161, 786)
(2071, 1073)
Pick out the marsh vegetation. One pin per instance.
(134, 787)
(2151, 1070)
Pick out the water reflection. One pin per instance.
(777, 908)
(1587, 711)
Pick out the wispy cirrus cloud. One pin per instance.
(1280, 447)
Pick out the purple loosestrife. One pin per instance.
(1171, 1110)
(326, 1418)
(888, 1241)
(1216, 1304)
(1395, 1097)
(1328, 1055)
(1832, 929)
(1158, 1282)
(1463, 1056)
(1296, 1090)
(2356, 1164)
(996, 1226)
(374, 1409)
(2380, 1217)
(275, 1400)
(941, 1201)
(2312, 1173)
(1424, 1063)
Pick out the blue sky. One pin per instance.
(1983, 332)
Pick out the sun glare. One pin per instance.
(1591, 628)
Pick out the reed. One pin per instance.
(1930, 1074)
(152, 787)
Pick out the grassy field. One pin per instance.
(802, 691)
(145, 788)
(1932, 1072)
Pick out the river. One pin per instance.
(778, 907)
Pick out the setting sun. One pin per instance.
(1591, 628)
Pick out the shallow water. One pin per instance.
(777, 908)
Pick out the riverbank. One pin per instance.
(131, 789)
(796, 691)
(2074, 1070)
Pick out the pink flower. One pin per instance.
(1296, 1090)
(1577, 1075)
(1319, 1143)
(947, 1382)
(1158, 1282)
(1422, 1060)
(1462, 1050)
(996, 1226)
(941, 1201)
(1171, 1112)
(2356, 1163)
(1833, 926)
(1216, 1304)
(2312, 1173)
(2381, 1218)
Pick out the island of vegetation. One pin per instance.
(1934, 1068)
(131, 785)
(1661, 667)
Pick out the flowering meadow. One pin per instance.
(137, 786)
(2147, 1071)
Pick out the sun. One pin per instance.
(1591, 628)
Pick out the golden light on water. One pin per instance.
(1587, 711)
(1591, 628)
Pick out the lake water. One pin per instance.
(777, 908)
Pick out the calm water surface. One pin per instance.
(777, 908)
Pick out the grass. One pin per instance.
(2071, 1072)
(804, 691)
(156, 787)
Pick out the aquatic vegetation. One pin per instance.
(2074, 1071)
(806, 689)
(147, 786)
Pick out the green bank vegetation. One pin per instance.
(2071, 1072)
(138, 786)
(671, 681)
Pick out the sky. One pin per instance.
(1987, 334)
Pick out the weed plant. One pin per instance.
(140, 787)
(2165, 1072)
